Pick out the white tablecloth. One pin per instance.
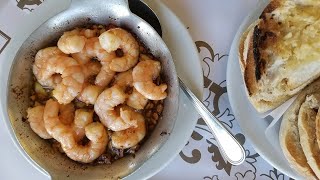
(213, 24)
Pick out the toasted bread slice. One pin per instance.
(318, 127)
(280, 53)
(307, 131)
(289, 134)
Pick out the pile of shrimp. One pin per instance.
(91, 91)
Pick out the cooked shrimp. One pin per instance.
(104, 77)
(71, 85)
(106, 74)
(118, 38)
(82, 118)
(97, 135)
(82, 57)
(131, 136)
(35, 118)
(103, 73)
(40, 65)
(95, 132)
(109, 115)
(89, 33)
(135, 99)
(57, 64)
(93, 49)
(143, 57)
(124, 79)
(91, 69)
(72, 41)
(143, 75)
(76, 119)
(90, 94)
(66, 113)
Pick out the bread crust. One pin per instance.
(260, 36)
(253, 66)
(307, 133)
(289, 134)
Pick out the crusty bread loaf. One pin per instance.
(289, 133)
(280, 53)
(307, 131)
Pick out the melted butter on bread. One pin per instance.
(281, 54)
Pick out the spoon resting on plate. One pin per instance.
(228, 145)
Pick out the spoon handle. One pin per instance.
(229, 146)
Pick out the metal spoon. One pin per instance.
(229, 146)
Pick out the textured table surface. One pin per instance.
(212, 25)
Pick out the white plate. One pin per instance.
(14, 166)
(251, 124)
